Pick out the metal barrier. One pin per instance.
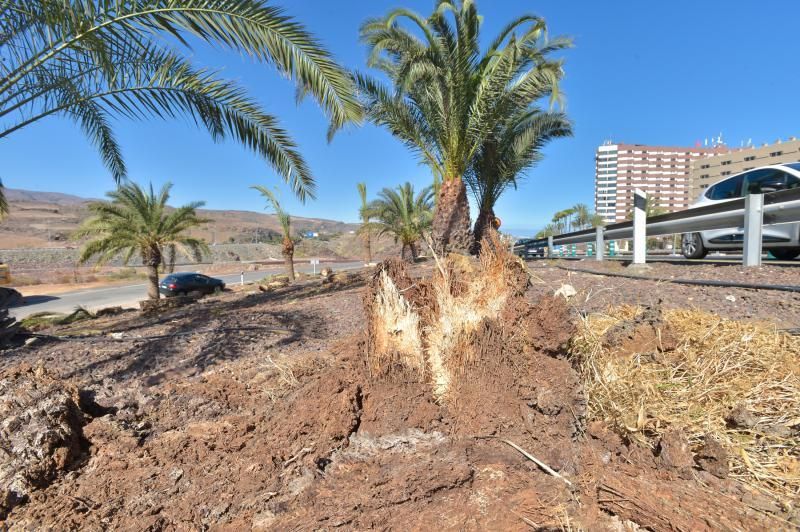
(750, 213)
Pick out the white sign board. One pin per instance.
(314, 263)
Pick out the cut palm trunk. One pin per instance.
(484, 222)
(451, 220)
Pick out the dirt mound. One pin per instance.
(455, 407)
(41, 432)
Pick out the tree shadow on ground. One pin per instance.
(192, 338)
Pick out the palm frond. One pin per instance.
(94, 60)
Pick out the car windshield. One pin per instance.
(794, 166)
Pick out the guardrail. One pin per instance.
(750, 213)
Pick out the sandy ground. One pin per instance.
(257, 411)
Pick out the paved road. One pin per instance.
(130, 295)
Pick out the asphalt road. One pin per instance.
(130, 295)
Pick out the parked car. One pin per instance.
(184, 283)
(781, 240)
(526, 251)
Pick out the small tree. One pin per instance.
(365, 214)
(404, 215)
(286, 226)
(138, 222)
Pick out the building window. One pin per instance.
(776, 154)
(704, 166)
(725, 163)
(726, 172)
(748, 168)
(750, 158)
(704, 176)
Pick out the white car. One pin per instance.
(781, 240)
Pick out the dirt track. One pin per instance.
(286, 428)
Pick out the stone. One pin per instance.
(567, 291)
(713, 457)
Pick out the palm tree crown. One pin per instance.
(404, 215)
(138, 222)
(448, 98)
(90, 60)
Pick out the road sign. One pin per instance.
(314, 264)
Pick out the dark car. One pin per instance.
(184, 283)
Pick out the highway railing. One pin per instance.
(750, 214)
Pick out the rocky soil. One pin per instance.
(261, 412)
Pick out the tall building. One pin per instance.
(661, 172)
(709, 170)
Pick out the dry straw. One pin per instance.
(481, 294)
(719, 365)
(395, 330)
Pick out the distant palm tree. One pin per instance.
(651, 207)
(548, 230)
(581, 216)
(448, 97)
(136, 222)
(3, 202)
(561, 220)
(403, 215)
(595, 220)
(286, 226)
(365, 230)
(91, 60)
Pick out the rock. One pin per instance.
(41, 432)
(731, 298)
(741, 418)
(567, 291)
(712, 457)
(673, 452)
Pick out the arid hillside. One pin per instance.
(46, 219)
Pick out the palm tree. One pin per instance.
(366, 215)
(505, 157)
(548, 230)
(651, 207)
(447, 98)
(595, 220)
(286, 226)
(92, 60)
(3, 202)
(138, 222)
(561, 220)
(582, 216)
(404, 216)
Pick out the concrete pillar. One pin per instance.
(639, 227)
(753, 223)
(550, 247)
(599, 244)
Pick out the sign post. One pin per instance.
(314, 263)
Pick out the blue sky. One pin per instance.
(641, 72)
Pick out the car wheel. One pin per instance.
(785, 254)
(183, 294)
(692, 246)
(217, 290)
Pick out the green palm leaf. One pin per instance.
(94, 59)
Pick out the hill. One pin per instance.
(46, 219)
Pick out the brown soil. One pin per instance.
(198, 420)
(596, 292)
